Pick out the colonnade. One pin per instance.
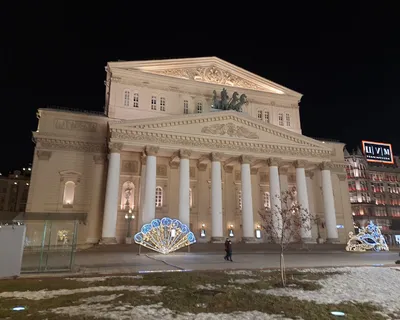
(217, 230)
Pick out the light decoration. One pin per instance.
(368, 238)
(165, 236)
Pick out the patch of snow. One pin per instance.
(155, 312)
(243, 281)
(208, 286)
(240, 272)
(100, 279)
(325, 270)
(380, 286)
(96, 299)
(44, 294)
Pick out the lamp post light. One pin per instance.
(129, 217)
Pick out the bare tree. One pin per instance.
(285, 223)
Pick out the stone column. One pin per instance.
(275, 193)
(93, 219)
(111, 199)
(302, 198)
(329, 203)
(149, 209)
(142, 190)
(217, 231)
(311, 201)
(247, 201)
(184, 185)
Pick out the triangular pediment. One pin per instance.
(233, 128)
(207, 70)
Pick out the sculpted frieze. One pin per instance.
(211, 74)
(231, 130)
(129, 166)
(209, 143)
(67, 145)
(74, 125)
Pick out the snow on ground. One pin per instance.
(380, 286)
(45, 294)
(99, 279)
(156, 312)
(243, 281)
(240, 273)
(97, 299)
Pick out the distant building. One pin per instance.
(14, 189)
(374, 189)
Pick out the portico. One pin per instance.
(221, 165)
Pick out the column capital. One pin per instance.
(342, 176)
(99, 158)
(300, 163)
(253, 171)
(151, 150)
(245, 159)
(326, 165)
(185, 153)
(228, 169)
(274, 162)
(216, 156)
(309, 174)
(115, 147)
(201, 166)
(283, 170)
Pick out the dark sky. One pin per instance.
(344, 58)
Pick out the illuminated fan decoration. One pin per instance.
(369, 238)
(165, 235)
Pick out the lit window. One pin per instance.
(153, 103)
(266, 116)
(287, 119)
(190, 198)
(136, 100)
(159, 197)
(127, 97)
(127, 196)
(267, 200)
(162, 104)
(280, 119)
(199, 107)
(259, 114)
(69, 193)
(240, 200)
(185, 107)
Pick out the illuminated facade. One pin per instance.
(172, 144)
(375, 193)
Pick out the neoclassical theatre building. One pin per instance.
(196, 139)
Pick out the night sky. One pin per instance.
(345, 60)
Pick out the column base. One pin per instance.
(92, 240)
(217, 239)
(248, 239)
(110, 240)
(332, 240)
(308, 240)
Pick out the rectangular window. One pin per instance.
(199, 107)
(136, 100)
(185, 107)
(259, 115)
(162, 104)
(287, 120)
(153, 103)
(266, 116)
(280, 119)
(126, 98)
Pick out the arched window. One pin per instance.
(267, 200)
(136, 100)
(199, 107)
(159, 197)
(127, 98)
(259, 115)
(240, 199)
(128, 196)
(69, 193)
(190, 198)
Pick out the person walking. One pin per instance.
(226, 249)
(229, 255)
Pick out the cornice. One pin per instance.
(164, 122)
(213, 143)
(70, 145)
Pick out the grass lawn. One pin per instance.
(125, 297)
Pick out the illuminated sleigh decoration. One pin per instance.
(165, 235)
(369, 238)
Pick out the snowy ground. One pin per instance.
(379, 286)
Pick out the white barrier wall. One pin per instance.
(12, 239)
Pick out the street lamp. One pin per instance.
(129, 217)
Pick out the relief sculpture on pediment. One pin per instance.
(211, 74)
(231, 130)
